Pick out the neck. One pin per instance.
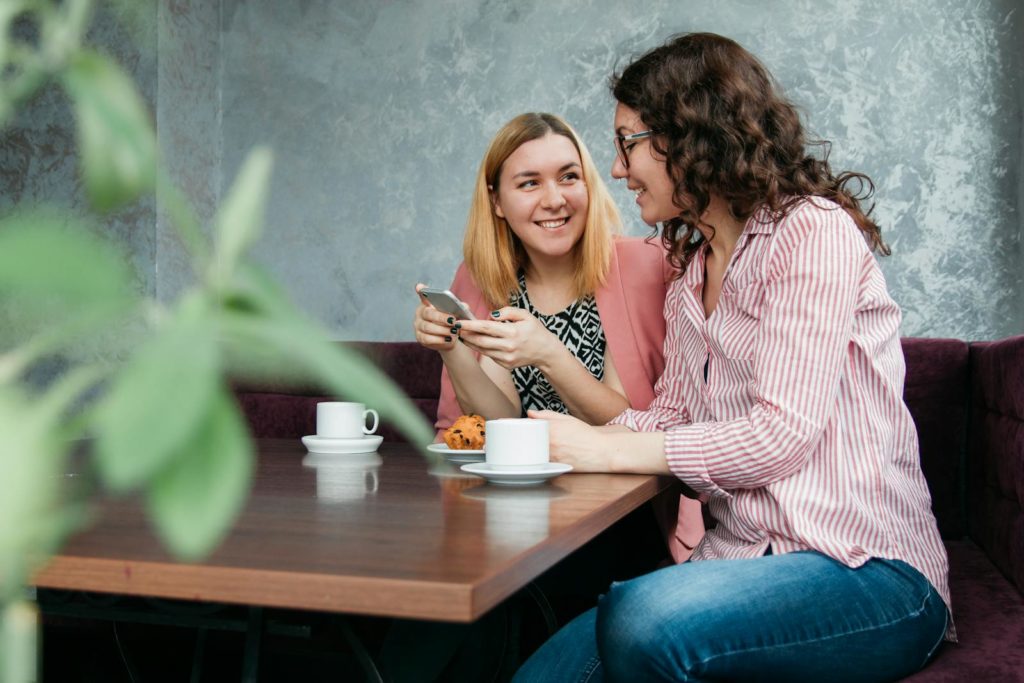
(720, 228)
(551, 273)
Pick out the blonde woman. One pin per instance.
(569, 313)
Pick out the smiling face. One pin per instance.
(542, 196)
(647, 175)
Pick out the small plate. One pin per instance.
(326, 446)
(457, 454)
(526, 476)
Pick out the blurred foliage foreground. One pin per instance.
(144, 381)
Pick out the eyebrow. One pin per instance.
(530, 174)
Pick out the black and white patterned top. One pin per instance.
(579, 328)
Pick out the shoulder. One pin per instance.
(820, 220)
(639, 249)
(817, 228)
(644, 257)
(813, 214)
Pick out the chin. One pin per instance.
(651, 220)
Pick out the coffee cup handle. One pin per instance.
(371, 481)
(376, 420)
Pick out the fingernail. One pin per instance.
(495, 314)
(447, 339)
(451, 320)
(458, 326)
(455, 330)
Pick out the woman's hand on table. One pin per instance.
(574, 442)
(433, 328)
(512, 339)
(610, 448)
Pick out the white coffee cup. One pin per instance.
(516, 443)
(341, 420)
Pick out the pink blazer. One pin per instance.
(630, 305)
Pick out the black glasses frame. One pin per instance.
(621, 147)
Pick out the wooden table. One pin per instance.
(389, 535)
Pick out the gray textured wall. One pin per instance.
(38, 158)
(378, 113)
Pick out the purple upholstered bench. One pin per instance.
(285, 411)
(968, 403)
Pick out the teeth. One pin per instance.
(550, 225)
(639, 191)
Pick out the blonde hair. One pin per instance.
(493, 253)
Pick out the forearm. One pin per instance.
(584, 395)
(635, 452)
(475, 391)
(605, 449)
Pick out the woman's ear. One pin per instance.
(495, 204)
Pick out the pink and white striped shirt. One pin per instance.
(799, 437)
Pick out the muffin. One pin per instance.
(467, 433)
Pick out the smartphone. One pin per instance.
(446, 302)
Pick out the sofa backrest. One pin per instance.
(995, 455)
(288, 410)
(936, 390)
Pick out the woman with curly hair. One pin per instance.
(780, 405)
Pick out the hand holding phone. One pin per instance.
(446, 302)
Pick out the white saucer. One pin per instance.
(457, 454)
(327, 446)
(525, 476)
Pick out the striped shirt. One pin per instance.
(799, 437)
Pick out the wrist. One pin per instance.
(457, 354)
(552, 356)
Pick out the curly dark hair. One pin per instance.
(725, 128)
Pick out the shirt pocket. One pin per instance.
(741, 320)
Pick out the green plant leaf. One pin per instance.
(194, 500)
(291, 347)
(59, 283)
(240, 218)
(117, 142)
(46, 257)
(159, 398)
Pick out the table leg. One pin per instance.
(253, 635)
(359, 650)
(197, 656)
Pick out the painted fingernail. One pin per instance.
(455, 330)
(447, 339)
(495, 314)
(451, 320)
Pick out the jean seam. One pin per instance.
(942, 633)
(589, 669)
(911, 615)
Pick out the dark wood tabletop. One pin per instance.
(392, 534)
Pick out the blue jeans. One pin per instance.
(793, 617)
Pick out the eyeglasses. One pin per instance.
(624, 143)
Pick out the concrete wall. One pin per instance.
(378, 112)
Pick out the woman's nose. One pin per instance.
(552, 197)
(619, 170)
